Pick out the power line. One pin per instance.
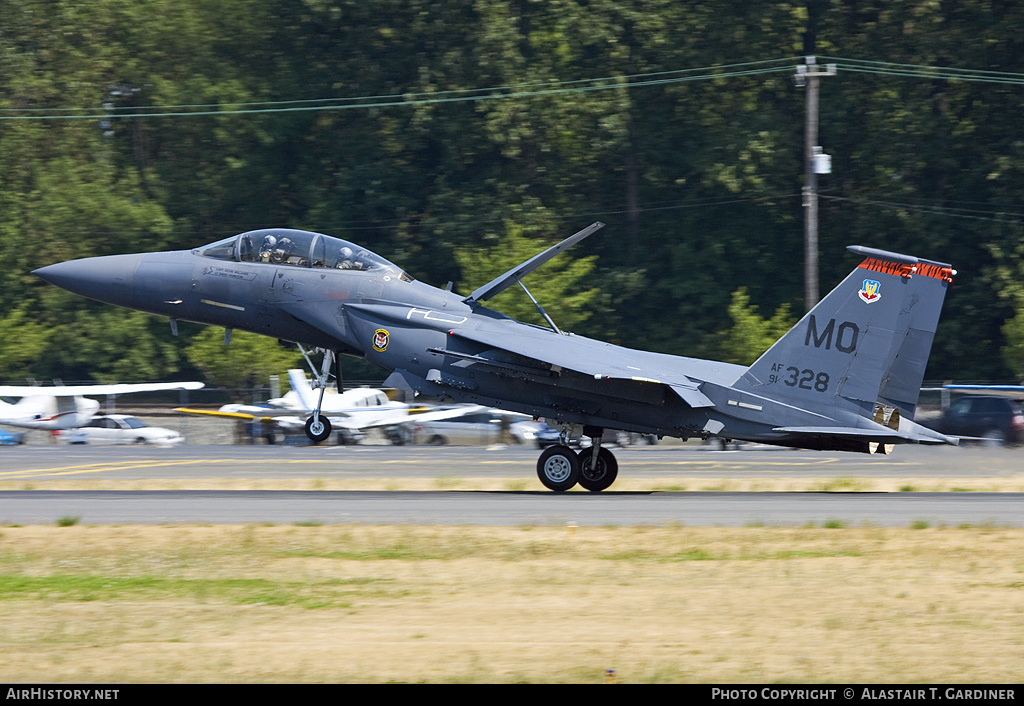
(944, 73)
(437, 94)
(528, 90)
(513, 91)
(935, 210)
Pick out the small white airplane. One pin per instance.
(65, 406)
(351, 412)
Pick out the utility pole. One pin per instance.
(809, 75)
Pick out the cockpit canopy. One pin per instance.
(298, 248)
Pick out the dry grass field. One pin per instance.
(260, 603)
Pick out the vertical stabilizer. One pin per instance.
(865, 343)
(302, 388)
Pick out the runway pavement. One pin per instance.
(511, 508)
(43, 463)
(38, 467)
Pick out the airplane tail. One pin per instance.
(302, 388)
(39, 407)
(45, 411)
(864, 347)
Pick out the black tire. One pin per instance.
(437, 440)
(597, 479)
(558, 468)
(318, 432)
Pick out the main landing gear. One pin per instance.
(560, 468)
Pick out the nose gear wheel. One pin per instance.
(318, 428)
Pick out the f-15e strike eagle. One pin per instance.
(846, 377)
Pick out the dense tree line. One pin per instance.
(132, 125)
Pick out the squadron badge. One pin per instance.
(380, 340)
(869, 292)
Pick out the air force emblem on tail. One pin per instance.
(870, 291)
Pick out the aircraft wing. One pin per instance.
(339, 419)
(285, 418)
(603, 361)
(398, 417)
(234, 415)
(80, 390)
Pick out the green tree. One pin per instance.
(249, 360)
(22, 342)
(1013, 351)
(110, 344)
(699, 181)
(557, 285)
(751, 334)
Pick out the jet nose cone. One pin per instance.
(106, 279)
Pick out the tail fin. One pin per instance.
(43, 407)
(27, 409)
(302, 388)
(864, 344)
(46, 411)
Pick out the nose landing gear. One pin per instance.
(318, 426)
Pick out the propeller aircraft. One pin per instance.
(350, 413)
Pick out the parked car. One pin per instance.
(11, 438)
(119, 429)
(994, 419)
(480, 427)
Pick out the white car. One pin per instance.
(482, 426)
(120, 429)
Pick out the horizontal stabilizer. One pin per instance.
(881, 434)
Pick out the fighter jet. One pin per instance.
(846, 377)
